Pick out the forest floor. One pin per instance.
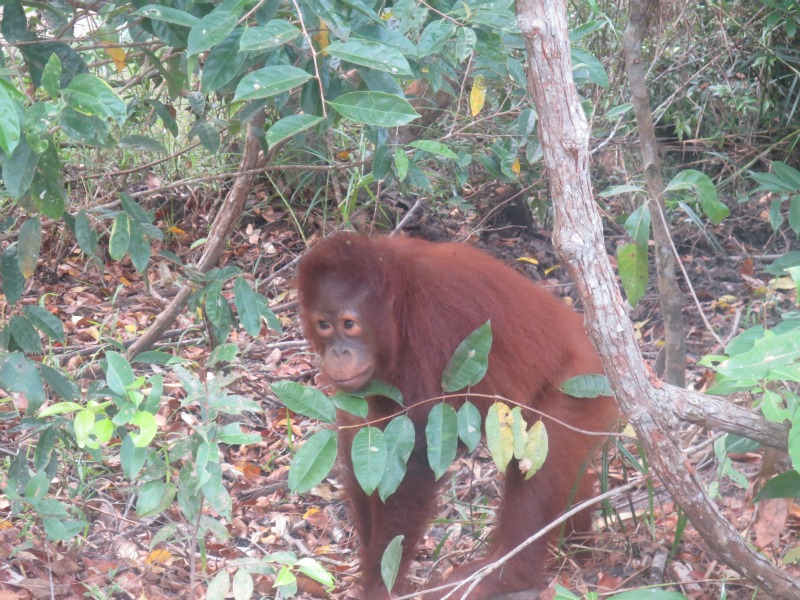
(639, 543)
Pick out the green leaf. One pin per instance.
(51, 76)
(219, 586)
(789, 175)
(586, 386)
(518, 431)
(436, 148)
(61, 385)
(785, 485)
(270, 81)
(210, 31)
(400, 439)
(441, 434)
(62, 531)
(375, 108)
(148, 428)
(368, 454)
(401, 163)
(374, 55)
(47, 186)
(120, 236)
(242, 585)
(28, 246)
(119, 374)
(223, 63)
(90, 95)
(13, 283)
(633, 267)
(305, 400)
(9, 122)
(86, 236)
(499, 435)
(648, 594)
(794, 215)
(706, 191)
(290, 126)
(82, 426)
(139, 247)
(465, 43)
(434, 37)
(376, 387)
(469, 425)
(232, 434)
(768, 353)
(247, 307)
(470, 360)
(638, 225)
(355, 405)
(59, 409)
(222, 354)
(141, 142)
(313, 569)
(19, 374)
(154, 497)
(313, 461)
(535, 452)
(273, 34)
(165, 14)
(19, 169)
(131, 458)
(390, 561)
(24, 334)
(586, 66)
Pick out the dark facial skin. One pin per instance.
(347, 359)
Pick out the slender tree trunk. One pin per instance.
(652, 407)
(669, 292)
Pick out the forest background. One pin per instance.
(165, 165)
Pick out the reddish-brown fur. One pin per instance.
(417, 302)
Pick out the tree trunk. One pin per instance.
(651, 406)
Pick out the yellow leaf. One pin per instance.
(310, 512)
(159, 555)
(515, 167)
(527, 259)
(536, 448)
(550, 270)
(500, 434)
(323, 37)
(176, 230)
(477, 97)
(130, 328)
(118, 56)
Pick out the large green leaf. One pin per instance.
(13, 282)
(633, 267)
(768, 353)
(706, 191)
(273, 34)
(90, 95)
(469, 425)
(119, 374)
(18, 374)
(313, 461)
(305, 400)
(167, 15)
(434, 37)
(47, 187)
(441, 434)
(210, 30)
(375, 108)
(368, 454)
(390, 561)
(120, 236)
(470, 360)
(24, 334)
(400, 438)
(223, 63)
(374, 55)
(290, 126)
(19, 169)
(9, 122)
(247, 306)
(270, 81)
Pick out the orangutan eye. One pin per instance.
(349, 323)
(323, 325)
